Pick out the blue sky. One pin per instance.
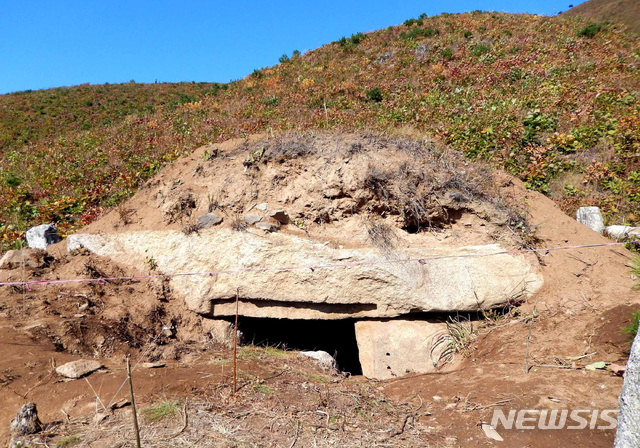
(50, 43)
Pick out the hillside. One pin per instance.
(626, 12)
(554, 104)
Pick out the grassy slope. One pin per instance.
(525, 93)
(623, 11)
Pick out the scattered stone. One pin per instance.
(153, 365)
(209, 220)
(384, 57)
(220, 331)
(26, 421)
(628, 433)
(32, 258)
(323, 358)
(621, 232)
(591, 217)
(121, 403)
(252, 218)
(100, 417)
(263, 207)
(422, 49)
(266, 226)
(40, 237)
(78, 369)
(393, 348)
(280, 215)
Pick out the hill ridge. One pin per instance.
(529, 94)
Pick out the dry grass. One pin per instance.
(161, 410)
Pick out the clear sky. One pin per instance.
(51, 43)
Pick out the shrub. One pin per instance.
(590, 30)
(480, 49)
(350, 43)
(467, 34)
(270, 100)
(447, 54)
(374, 95)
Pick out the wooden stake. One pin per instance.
(133, 405)
(235, 343)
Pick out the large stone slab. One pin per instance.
(393, 348)
(365, 290)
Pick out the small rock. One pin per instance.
(78, 369)
(266, 226)
(32, 258)
(252, 218)
(617, 232)
(422, 49)
(153, 365)
(40, 237)
(100, 417)
(280, 215)
(26, 421)
(209, 220)
(323, 358)
(384, 57)
(120, 404)
(263, 207)
(591, 217)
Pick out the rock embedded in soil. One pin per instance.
(266, 226)
(280, 215)
(78, 369)
(252, 218)
(357, 287)
(620, 232)
(42, 236)
(591, 217)
(26, 421)
(209, 220)
(323, 358)
(31, 258)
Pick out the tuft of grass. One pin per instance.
(457, 338)
(635, 271)
(161, 410)
(632, 328)
(264, 389)
(68, 441)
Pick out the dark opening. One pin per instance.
(336, 337)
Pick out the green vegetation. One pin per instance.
(374, 95)
(524, 93)
(161, 410)
(590, 30)
(68, 441)
(632, 329)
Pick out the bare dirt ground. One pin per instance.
(532, 357)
